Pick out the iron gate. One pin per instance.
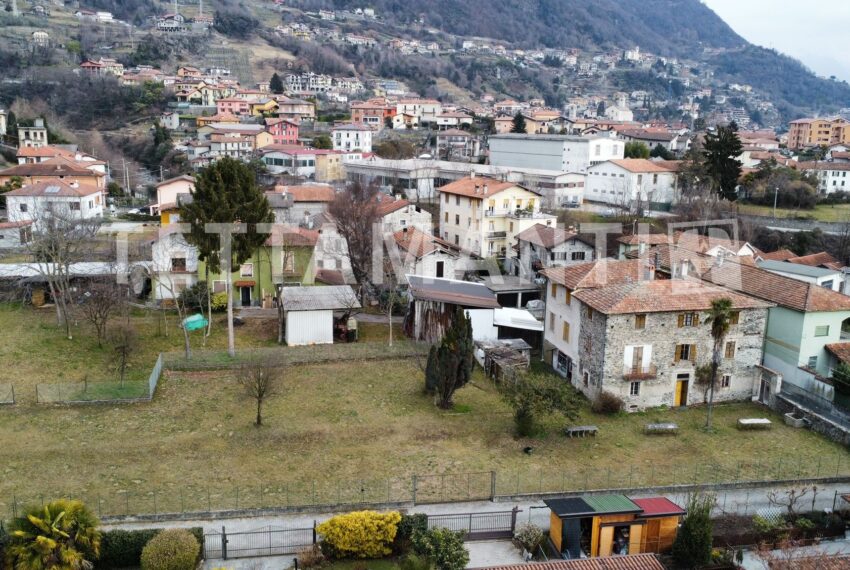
(478, 526)
(266, 541)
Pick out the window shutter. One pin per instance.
(681, 320)
(678, 351)
(569, 296)
(693, 353)
(696, 319)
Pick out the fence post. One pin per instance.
(492, 486)
(414, 489)
(314, 532)
(223, 543)
(514, 513)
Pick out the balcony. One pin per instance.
(495, 235)
(640, 372)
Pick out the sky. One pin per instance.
(813, 31)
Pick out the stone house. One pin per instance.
(617, 327)
(542, 246)
(425, 255)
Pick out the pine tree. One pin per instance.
(518, 125)
(692, 547)
(276, 84)
(721, 151)
(450, 364)
(226, 193)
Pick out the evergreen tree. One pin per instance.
(276, 84)
(226, 193)
(721, 151)
(660, 151)
(450, 364)
(636, 149)
(692, 547)
(518, 125)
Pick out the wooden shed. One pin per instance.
(606, 525)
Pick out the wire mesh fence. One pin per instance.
(78, 392)
(420, 489)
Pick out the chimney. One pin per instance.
(74, 184)
(472, 174)
(476, 188)
(404, 230)
(485, 188)
(397, 197)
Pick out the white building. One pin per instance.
(425, 255)
(541, 246)
(832, 176)
(3, 122)
(34, 136)
(175, 263)
(396, 214)
(43, 200)
(352, 136)
(14, 235)
(832, 279)
(629, 181)
(564, 153)
(425, 110)
(309, 312)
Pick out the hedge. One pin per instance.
(172, 549)
(123, 548)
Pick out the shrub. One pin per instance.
(172, 549)
(692, 547)
(219, 301)
(409, 525)
(529, 536)
(443, 547)
(607, 403)
(361, 534)
(311, 556)
(414, 562)
(768, 526)
(123, 548)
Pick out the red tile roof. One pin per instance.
(58, 166)
(822, 259)
(640, 165)
(388, 204)
(841, 351)
(474, 186)
(419, 243)
(330, 277)
(49, 151)
(289, 236)
(658, 507)
(62, 190)
(308, 193)
(631, 562)
(547, 236)
(662, 295)
(13, 225)
(778, 255)
(596, 273)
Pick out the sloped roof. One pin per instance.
(631, 562)
(547, 236)
(599, 273)
(662, 295)
(388, 205)
(57, 166)
(49, 151)
(822, 259)
(452, 291)
(643, 165)
(658, 507)
(419, 244)
(778, 255)
(183, 177)
(290, 236)
(53, 189)
(467, 186)
(308, 192)
(324, 298)
(796, 268)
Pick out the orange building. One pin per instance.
(804, 133)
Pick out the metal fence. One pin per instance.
(478, 526)
(815, 402)
(266, 541)
(197, 500)
(86, 392)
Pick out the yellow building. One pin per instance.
(329, 167)
(483, 215)
(804, 133)
(263, 107)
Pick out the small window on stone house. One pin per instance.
(634, 389)
(729, 351)
(734, 317)
(640, 322)
(726, 381)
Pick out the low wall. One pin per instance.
(817, 422)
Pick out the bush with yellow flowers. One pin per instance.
(360, 534)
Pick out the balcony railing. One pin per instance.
(495, 235)
(640, 372)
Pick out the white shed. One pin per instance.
(308, 312)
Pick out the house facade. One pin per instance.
(542, 246)
(425, 255)
(39, 202)
(562, 153)
(631, 181)
(352, 136)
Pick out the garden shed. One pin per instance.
(434, 301)
(606, 525)
(309, 312)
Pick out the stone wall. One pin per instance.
(608, 341)
(817, 422)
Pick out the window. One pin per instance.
(219, 287)
(531, 203)
(577, 256)
(589, 313)
(447, 198)
(565, 333)
(457, 219)
(688, 320)
(686, 352)
(552, 321)
(640, 179)
(457, 200)
(586, 379)
(568, 296)
(729, 352)
(75, 206)
(655, 179)
(457, 240)
(813, 362)
(634, 389)
(23, 207)
(734, 317)
(726, 381)
(446, 217)
(554, 291)
(247, 270)
(640, 322)
(822, 330)
(827, 284)
(178, 264)
(288, 261)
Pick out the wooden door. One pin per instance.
(681, 395)
(606, 540)
(637, 359)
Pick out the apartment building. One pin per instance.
(484, 215)
(804, 133)
(562, 153)
(629, 181)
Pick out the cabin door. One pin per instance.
(606, 540)
(245, 293)
(681, 396)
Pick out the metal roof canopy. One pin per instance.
(571, 507)
(452, 291)
(318, 298)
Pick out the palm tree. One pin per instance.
(62, 535)
(719, 318)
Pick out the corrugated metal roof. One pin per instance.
(570, 507)
(658, 507)
(320, 298)
(452, 291)
(608, 504)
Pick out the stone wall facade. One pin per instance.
(610, 344)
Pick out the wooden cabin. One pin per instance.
(607, 525)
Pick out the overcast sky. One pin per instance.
(813, 31)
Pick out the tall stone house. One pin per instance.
(617, 327)
(542, 246)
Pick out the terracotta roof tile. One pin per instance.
(822, 259)
(292, 237)
(467, 186)
(600, 273)
(54, 188)
(388, 205)
(632, 562)
(419, 243)
(308, 193)
(548, 237)
(841, 351)
(645, 165)
(778, 255)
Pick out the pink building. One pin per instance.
(233, 105)
(284, 131)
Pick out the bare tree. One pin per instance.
(261, 379)
(167, 283)
(124, 344)
(355, 211)
(61, 240)
(792, 555)
(102, 299)
(789, 499)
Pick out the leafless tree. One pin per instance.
(355, 211)
(124, 344)
(261, 379)
(100, 302)
(788, 499)
(792, 555)
(167, 283)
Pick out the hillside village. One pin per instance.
(303, 285)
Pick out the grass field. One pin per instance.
(348, 432)
(821, 212)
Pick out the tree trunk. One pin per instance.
(390, 315)
(259, 411)
(208, 330)
(715, 364)
(231, 339)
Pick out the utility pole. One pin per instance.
(775, 196)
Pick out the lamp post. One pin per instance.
(775, 196)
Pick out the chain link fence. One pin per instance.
(263, 496)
